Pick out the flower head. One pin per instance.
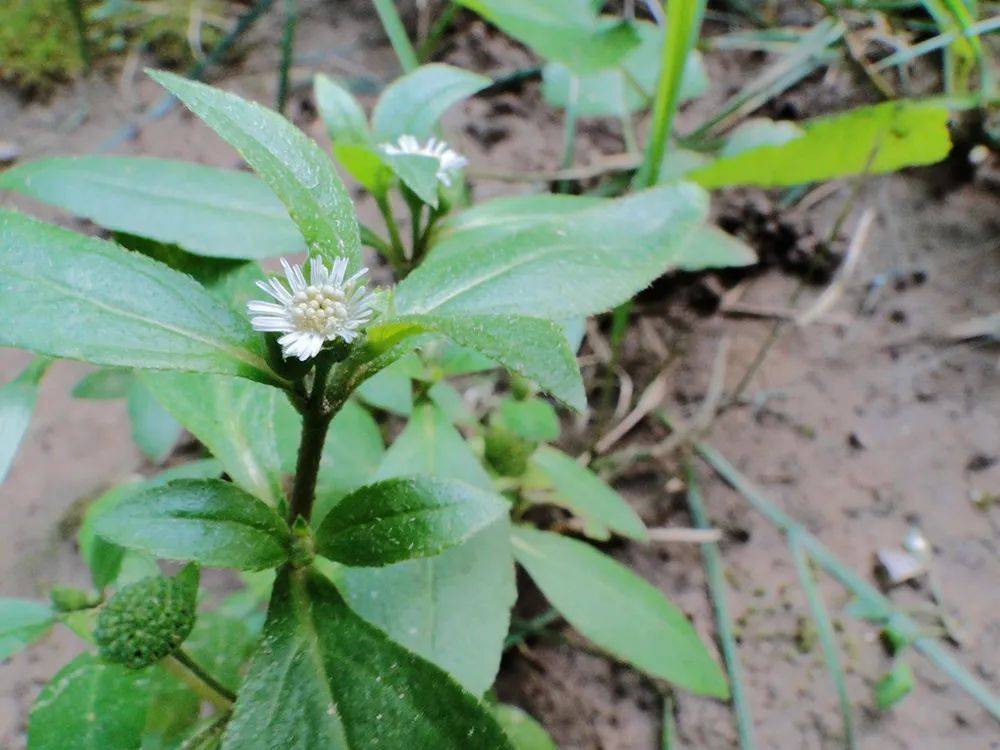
(448, 161)
(326, 308)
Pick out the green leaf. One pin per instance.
(17, 402)
(324, 678)
(287, 160)
(894, 685)
(91, 705)
(870, 140)
(391, 389)
(114, 307)
(236, 419)
(351, 454)
(413, 103)
(447, 398)
(453, 609)
(206, 520)
(22, 622)
(106, 383)
(583, 493)
(105, 559)
(757, 132)
(220, 645)
(404, 518)
(344, 119)
(618, 611)
(627, 87)
(531, 419)
(569, 31)
(532, 347)
(154, 430)
(418, 173)
(553, 256)
(710, 247)
(219, 213)
(364, 164)
(523, 731)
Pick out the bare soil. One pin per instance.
(859, 426)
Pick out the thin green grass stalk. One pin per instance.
(723, 623)
(873, 599)
(520, 632)
(952, 15)
(569, 130)
(824, 629)
(429, 45)
(398, 38)
(981, 28)
(669, 730)
(683, 23)
(287, 50)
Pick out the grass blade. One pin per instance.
(394, 29)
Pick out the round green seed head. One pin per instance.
(146, 621)
(506, 451)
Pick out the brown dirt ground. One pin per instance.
(924, 409)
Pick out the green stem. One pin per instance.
(850, 580)
(315, 422)
(287, 45)
(397, 255)
(394, 29)
(426, 49)
(680, 34)
(825, 631)
(569, 130)
(188, 671)
(723, 623)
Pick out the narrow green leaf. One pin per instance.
(236, 419)
(323, 677)
(757, 132)
(114, 307)
(532, 347)
(418, 173)
(91, 705)
(894, 685)
(873, 140)
(531, 419)
(413, 103)
(22, 622)
(219, 213)
(287, 160)
(17, 402)
(106, 383)
(583, 492)
(404, 518)
(521, 729)
(569, 31)
(154, 430)
(344, 119)
(206, 520)
(618, 611)
(453, 609)
(709, 247)
(553, 257)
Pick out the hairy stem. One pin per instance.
(188, 671)
(316, 418)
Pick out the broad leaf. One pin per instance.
(220, 213)
(581, 491)
(22, 622)
(523, 731)
(757, 132)
(106, 383)
(405, 518)
(710, 247)
(568, 31)
(418, 173)
(323, 677)
(115, 307)
(618, 611)
(91, 705)
(531, 419)
(627, 87)
(532, 347)
(236, 419)
(452, 609)
(870, 140)
(106, 560)
(287, 160)
(17, 402)
(154, 430)
(206, 520)
(413, 103)
(553, 256)
(344, 119)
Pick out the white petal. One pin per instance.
(268, 308)
(272, 324)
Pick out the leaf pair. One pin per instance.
(218, 524)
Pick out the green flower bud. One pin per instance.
(507, 452)
(148, 620)
(65, 599)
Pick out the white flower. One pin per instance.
(448, 161)
(326, 308)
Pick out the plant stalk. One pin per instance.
(287, 46)
(188, 671)
(315, 422)
(397, 254)
(396, 32)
